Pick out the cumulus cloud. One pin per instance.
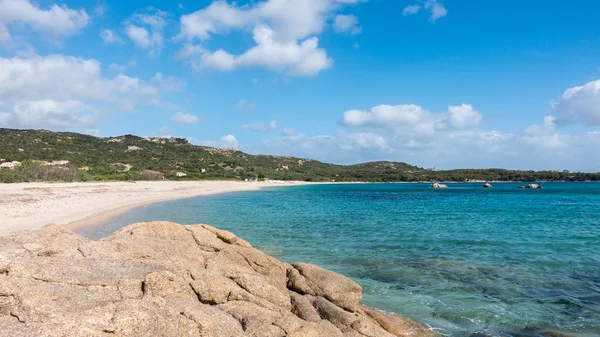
(449, 139)
(346, 24)
(110, 37)
(291, 19)
(55, 21)
(435, 8)
(579, 105)
(547, 127)
(410, 10)
(185, 118)
(293, 58)
(421, 121)
(260, 127)
(28, 85)
(284, 31)
(146, 31)
(229, 141)
(168, 83)
(385, 116)
(539, 146)
(464, 116)
(52, 114)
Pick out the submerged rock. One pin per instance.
(164, 279)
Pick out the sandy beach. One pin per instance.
(33, 205)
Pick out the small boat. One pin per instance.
(487, 185)
(438, 185)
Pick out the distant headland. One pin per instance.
(41, 155)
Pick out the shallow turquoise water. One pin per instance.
(466, 260)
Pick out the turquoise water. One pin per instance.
(466, 260)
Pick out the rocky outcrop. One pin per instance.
(164, 279)
(531, 186)
(438, 185)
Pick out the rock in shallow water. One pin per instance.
(164, 279)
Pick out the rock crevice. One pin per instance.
(164, 279)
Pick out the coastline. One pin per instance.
(26, 206)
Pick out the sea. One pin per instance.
(465, 260)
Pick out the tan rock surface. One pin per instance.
(164, 279)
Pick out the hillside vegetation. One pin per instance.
(65, 156)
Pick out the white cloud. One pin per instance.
(284, 30)
(110, 37)
(53, 114)
(244, 104)
(185, 118)
(346, 24)
(55, 21)
(146, 31)
(421, 121)
(229, 141)
(291, 19)
(437, 10)
(139, 36)
(412, 9)
(289, 132)
(547, 127)
(385, 116)
(29, 85)
(464, 116)
(169, 83)
(260, 127)
(536, 147)
(364, 140)
(294, 58)
(189, 51)
(579, 105)
(451, 139)
(99, 10)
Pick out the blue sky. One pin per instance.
(445, 84)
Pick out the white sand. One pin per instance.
(33, 205)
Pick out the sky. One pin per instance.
(445, 84)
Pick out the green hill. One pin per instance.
(67, 156)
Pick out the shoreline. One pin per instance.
(78, 205)
(26, 206)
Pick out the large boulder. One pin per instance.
(164, 279)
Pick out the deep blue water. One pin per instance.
(501, 262)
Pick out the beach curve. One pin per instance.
(26, 206)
